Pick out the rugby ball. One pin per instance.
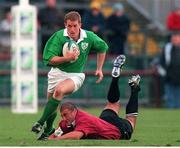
(71, 46)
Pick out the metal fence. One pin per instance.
(155, 10)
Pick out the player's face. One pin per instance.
(73, 29)
(68, 115)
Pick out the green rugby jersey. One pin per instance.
(88, 41)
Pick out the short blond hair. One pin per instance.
(73, 16)
(68, 105)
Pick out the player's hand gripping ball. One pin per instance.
(58, 132)
(72, 47)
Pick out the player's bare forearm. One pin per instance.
(58, 60)
(71, 135)
(100, 63)
(100, 60)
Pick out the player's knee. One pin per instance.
(59, 93)
(132, 120)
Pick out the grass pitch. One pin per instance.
(155, 127)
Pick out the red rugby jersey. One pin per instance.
(92, 127)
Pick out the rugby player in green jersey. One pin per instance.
(66, 77)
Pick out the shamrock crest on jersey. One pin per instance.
(84, 46)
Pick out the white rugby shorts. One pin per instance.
(55, 76)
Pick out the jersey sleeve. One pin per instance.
(52, 48)
(99, 45)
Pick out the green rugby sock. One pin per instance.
(49, 122)
(50, 108)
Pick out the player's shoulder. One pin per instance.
(60, 32)
(90, 34)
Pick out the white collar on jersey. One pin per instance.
(82, 34)
(72, 124)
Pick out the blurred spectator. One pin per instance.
(94, 20)
(5, 24)
(169, 69)
(173, 20)
(5, 28)
(50, 20)
(118, 25)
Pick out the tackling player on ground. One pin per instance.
(66, 77)
(77, 124)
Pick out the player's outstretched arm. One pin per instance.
(71, 135)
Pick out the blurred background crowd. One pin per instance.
(146, 31)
